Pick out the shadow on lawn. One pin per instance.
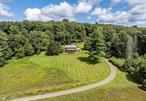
(85, 59)
(131, 78)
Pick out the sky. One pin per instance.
(120, 12)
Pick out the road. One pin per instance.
(74, 90)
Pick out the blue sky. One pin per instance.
(123, 12)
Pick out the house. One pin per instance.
(71, 48)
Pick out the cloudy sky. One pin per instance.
(123, 12)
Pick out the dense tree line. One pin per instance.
(19, 39)
(26, 38)
(128, 43)
(136, 67)
(5, 50)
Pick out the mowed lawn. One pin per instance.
(120, 89)
(40, 74)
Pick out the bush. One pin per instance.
(20, 53)
(29, 50)
(131, 65)
(144, 84)
(93, 57)
(136, 67)
(54, 48)
(2, 61)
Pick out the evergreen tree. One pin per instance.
(97, 46)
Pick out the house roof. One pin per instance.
(70, 46)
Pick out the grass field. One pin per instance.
(120, 89)
(40, 74)
(117, 61)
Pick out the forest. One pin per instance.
(26, 38)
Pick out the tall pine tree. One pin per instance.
(97, 46)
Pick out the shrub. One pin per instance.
(29, 50)
(144, 84)
(131, 65)
(2, 61)
(137, 68)
(20, 53)
(54, 48)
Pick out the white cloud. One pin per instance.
(33, 14)
(64, 9)
(57, 12)
(138, 12)
(92, 2)
(50, 12)
(83, 7)
(115, 1)
(88, 17)
(135, 16)
(99, 11)
(107, 16)
(136, 2)
(4, 10)
(131, 2)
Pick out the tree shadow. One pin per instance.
(132, 79)
(85, 59)
(141, 88)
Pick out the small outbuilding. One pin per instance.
(71, 48)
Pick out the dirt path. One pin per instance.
(74, 90)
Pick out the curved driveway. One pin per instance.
(74, 90)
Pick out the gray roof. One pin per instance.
(70, 46)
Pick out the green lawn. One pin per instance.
(117, 61)
(40, 74)
(120, 89)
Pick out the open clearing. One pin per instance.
(74, 90)
(120, 89)
(40, 74)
